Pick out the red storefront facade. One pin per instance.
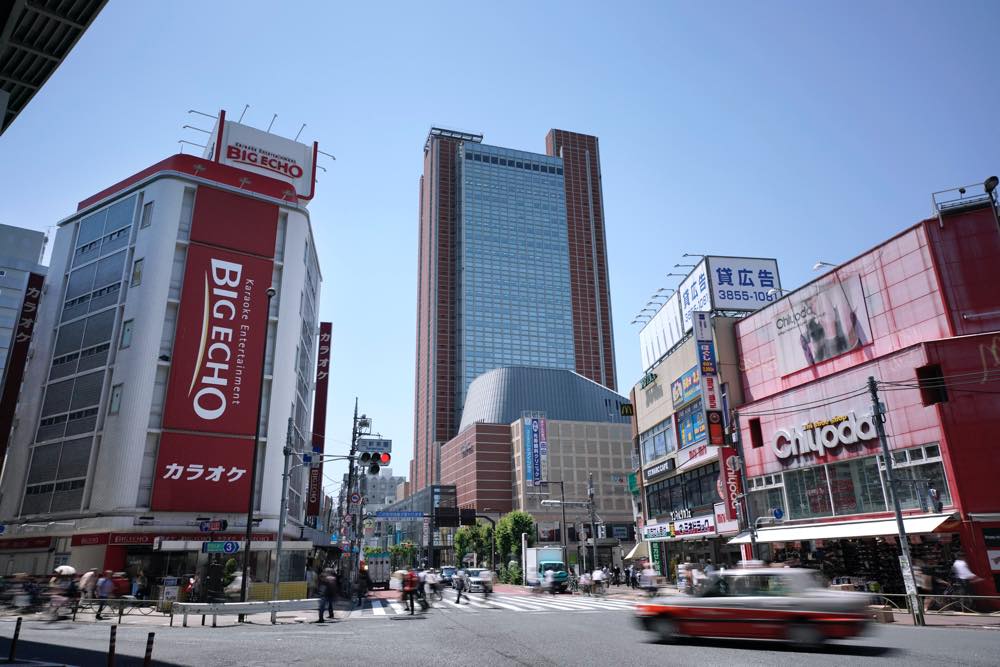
(919, 314)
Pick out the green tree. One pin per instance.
(509, 530)
(402, 555)
(463, 543)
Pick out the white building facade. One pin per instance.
(137, 419)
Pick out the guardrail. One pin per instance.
(216, 609)
(943, 605)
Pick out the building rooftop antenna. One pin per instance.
(271, 124)
(245, 107)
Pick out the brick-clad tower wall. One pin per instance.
(588, 262)
(435, 388)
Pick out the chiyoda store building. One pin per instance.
(155, 339)
(915, 314)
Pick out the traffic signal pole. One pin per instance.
(593, 517)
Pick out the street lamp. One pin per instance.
(256, 450)
(819, 265)
(562, 504)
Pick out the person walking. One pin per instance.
(460, 586)
(487, 578)
(88, 583)
(410, 583)
(105, 588)
(327, 594)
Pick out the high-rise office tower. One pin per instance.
(512, 271)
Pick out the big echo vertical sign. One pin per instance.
(315, 493)
(210, 414)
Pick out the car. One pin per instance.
(477, 582)
(447, 574)
(759, 603)
(234, 589)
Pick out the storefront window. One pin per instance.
(762, 503)
(658, 441)
(808, 493)
(689, 490)
(856, 486)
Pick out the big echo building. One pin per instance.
(178, 300)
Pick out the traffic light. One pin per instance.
(374, 460)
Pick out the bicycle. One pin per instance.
(958, 594)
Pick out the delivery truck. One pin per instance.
(539, 560)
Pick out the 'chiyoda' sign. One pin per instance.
(818, 437)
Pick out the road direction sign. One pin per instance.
(400, 516)
(227, 547)
(373, 445)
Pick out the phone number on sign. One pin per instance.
(744, 295)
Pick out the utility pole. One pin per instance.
(905, 564)
(350, 489)
(282, 512)
(593, 518)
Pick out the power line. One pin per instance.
(795, 408)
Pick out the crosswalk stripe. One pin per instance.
(579, 603)
(549, 604)
(377, 608)
(396, 607)
(523, 601)
(592, 603)
(518, 606)
(455, 605)
(357, 613)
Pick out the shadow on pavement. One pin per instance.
(830, 648)
(29, 650)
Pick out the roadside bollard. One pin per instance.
(13, 642)
(149, 650)
(111, 646)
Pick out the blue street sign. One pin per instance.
(778, 513)
(400, 516)
(229, 547)
(334, 538)
(3, 529)
(307, 458)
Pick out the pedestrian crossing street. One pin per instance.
(535, 604)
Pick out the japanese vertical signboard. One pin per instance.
(210, 413)
(18, 355)
(730, 484)
(315, 493)
(536, 450)
(543, 447)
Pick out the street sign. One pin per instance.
(400, 516)
(227, 547)
(373, 445)
(778, 513)
(334, 538)
(307, 458)
(349, 519)
(3, 529)
(355, 498)
(216, 526)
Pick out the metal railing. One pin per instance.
(943, 604)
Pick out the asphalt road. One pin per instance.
(480, 636)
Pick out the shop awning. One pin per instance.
(915, 525)
(640, 551)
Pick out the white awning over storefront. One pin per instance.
(640, 551)
(915, 525)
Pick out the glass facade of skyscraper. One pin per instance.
(513, 274)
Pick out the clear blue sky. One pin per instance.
(800, 131)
